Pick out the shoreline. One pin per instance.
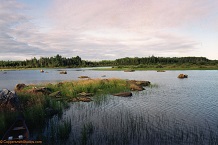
(100, 68)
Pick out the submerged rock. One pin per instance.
(82, 77)
(63, 72)
(85, 94)
(131, 70)
(137, 85)
(124, 94)
(81, 99)
(143, 83)
(84, 99)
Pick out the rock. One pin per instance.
(84, 99)
(81, 99)
(56, 94)
(74, 100)
(124, 94)
(19, 87)
(131, 70)
(135, 87)
(9, 100)
(85, 94)
(182, 76)
(160, 70)
(59, 84)
(63, 72)
(82, 77)
(43, 90)
(143, 83)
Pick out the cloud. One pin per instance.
(102, 29)
(126, 13)
(125, 26)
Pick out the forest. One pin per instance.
(73, 62)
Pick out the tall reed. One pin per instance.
(111, 124)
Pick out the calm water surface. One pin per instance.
(191, 101)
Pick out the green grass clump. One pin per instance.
(95, 86)
(36, 108)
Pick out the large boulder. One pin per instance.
(9, 100)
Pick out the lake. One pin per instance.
(183, 110)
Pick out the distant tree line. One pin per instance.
(59, 61)
(163, 60)
(56, 61)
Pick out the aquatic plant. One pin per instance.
(154, 85)
(123, 126)
(57, 131)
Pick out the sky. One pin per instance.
(108, 29)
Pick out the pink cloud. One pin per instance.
(119, 27)
(129, 13)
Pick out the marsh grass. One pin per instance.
(86, 132)
(57, 131)
(6, 119)
(35, 110)
(95, 86)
